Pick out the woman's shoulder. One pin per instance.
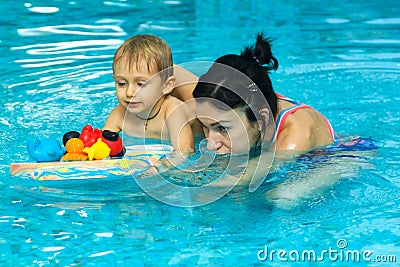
(303, 130)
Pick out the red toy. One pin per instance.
(90, 136)
(114, 142)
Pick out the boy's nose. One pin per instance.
(131, 91)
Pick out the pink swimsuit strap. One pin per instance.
(286, 112)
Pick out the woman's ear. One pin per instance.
(264, 118)
(169, 85)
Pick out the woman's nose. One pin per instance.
(213, 141)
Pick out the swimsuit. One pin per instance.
(286, 112)
(355, 144)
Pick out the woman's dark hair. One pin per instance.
(241, 81)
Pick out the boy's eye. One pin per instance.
(121, 83)
(141, 84)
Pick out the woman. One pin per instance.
(235, 102)
(239, 110)
(241, 113)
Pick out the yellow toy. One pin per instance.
(98, 150)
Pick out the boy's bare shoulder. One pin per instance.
(117, 114)
(118, 111)
(172, 100)
(115, 119)
(172, 104)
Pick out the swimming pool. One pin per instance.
(340, 57)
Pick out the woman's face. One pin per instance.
(228, 131)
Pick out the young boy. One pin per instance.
(143, 74)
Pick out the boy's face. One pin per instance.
(138, 89)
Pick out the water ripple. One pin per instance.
(74, 29)
(44, 9)
(47, 62)
(362, 56)
(150, 25)
(66, 62)
(384, 21)
(336, 20)
(69, 47)
(118, 4)
(66, 75)
(376, 41)
(349, 66)
(41, 9)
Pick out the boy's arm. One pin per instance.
(115, 119)
(179, 128)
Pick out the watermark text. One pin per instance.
(340, 253)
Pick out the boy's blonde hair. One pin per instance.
(154, 51)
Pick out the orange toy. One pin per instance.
(74, 147)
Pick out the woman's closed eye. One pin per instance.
(222, 129)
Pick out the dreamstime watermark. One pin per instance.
(339, 254)
(164, 187)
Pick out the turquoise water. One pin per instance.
(341, 58)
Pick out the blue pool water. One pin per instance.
(341, 57)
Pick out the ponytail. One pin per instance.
(238, 80)
(261, 53)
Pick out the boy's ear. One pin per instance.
(169, 85)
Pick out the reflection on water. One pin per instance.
(74, 29)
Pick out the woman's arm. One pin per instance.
(302, 183)
(312, 182)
